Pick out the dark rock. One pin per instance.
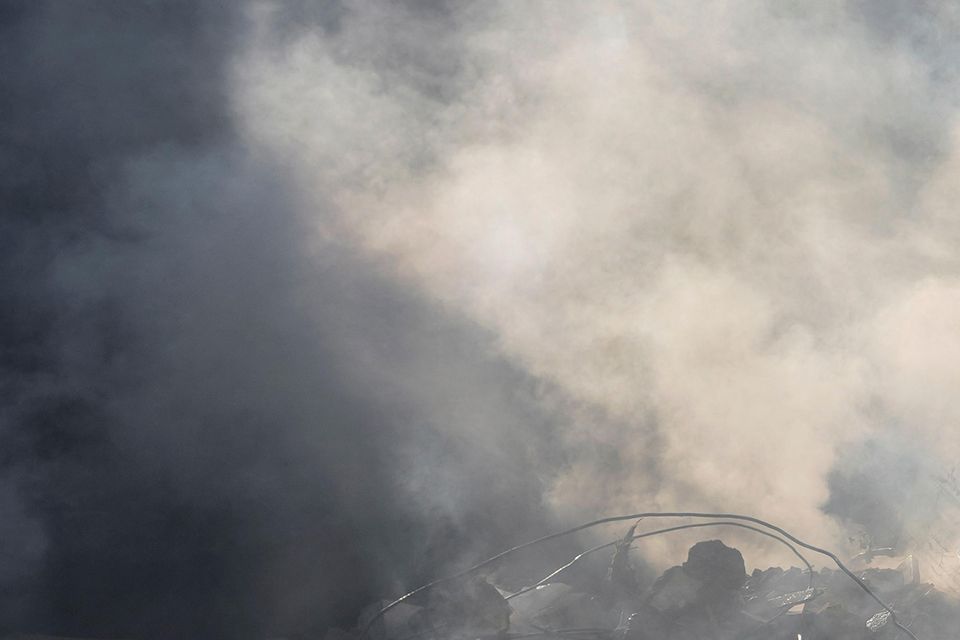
(716, 565)
(676, 590)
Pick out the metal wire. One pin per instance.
(648, 534)
(639, 516)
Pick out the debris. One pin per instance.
(676, 590)
(560, 606)
(708, 596)
(472, 607)
(718, 566)
(878, 621)
(910, 568)
(621, 577)
(795, 598)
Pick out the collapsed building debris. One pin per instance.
(708, 596)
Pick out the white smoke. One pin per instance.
(721, 234)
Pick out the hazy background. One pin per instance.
(303, 303)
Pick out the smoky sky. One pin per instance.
(211, 427)
(722, 236)
(303, 303)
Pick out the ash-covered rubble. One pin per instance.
(709, 596)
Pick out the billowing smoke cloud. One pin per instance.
(723, 234)
(215, 423)
(308, 302)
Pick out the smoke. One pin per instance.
(722, 234)
(215, 423)
(308, 303)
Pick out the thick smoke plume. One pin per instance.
(213, 424)
(305, 303)
(722, 234)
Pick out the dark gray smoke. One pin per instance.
(212, 425)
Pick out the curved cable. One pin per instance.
(648, 534)
(638, 516)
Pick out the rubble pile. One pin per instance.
(710, 596)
